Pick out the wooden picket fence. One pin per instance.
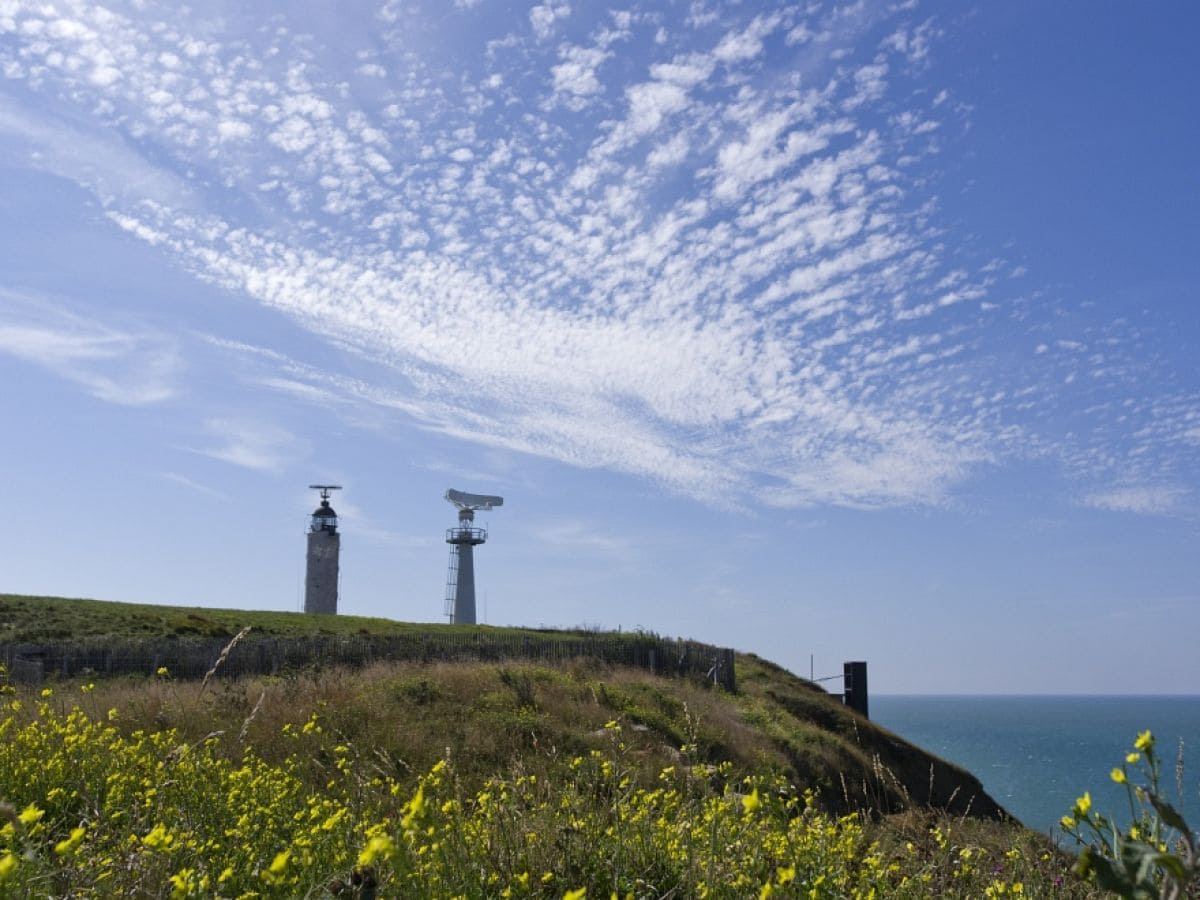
(189, 658)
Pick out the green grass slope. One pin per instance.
(31, 619)
(496, 714)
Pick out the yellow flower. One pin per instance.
(379, 845)
(1118, 775)
(1067, 823)
(30, 814)
(786, 876)
(158, 837)
(751, 802)
(62, 848)
(1083, 804)
(185, 883)
(1132, 758)
(578, 894)
(1145, 741)
(162, 671)
(415, 806)
(279, 863)
(8, 863)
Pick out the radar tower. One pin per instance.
(460, 576)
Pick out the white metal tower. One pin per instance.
(460, 577)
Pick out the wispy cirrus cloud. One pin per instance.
(252, 444)
(713, 262)
(128, 367)
(1144, 499)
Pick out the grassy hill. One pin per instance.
(33, 619)
(775, 720)
(523, 723)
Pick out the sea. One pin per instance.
(1037, 754)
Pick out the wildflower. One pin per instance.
(184, 883)
(751, 802)
(162, 671)
(1118, 775)
(1067, 823)
(30, 815)
(63, 847)
(159, 838)
(578, 894)
(1133, 757)
(278, 864)
(1145, 741)
(378, 845)
(786, 876)
(1083, 804)
(8, 864)
(415, 805)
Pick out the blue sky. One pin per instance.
(855, 330)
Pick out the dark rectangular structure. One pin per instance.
(854, 684)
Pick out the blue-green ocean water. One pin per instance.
(1035, 755)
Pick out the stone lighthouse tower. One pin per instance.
(324, 543)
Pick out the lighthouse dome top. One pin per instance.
(323, 517)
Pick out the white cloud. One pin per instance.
(98, 159)
(193, 485)
(726, 276)
(575, 536)
(253, 444)
(234, 130)
(295, 135)
(746, 44)
(651, 102)
(576, 74)
(118, 366)
(1140, 499)
(545, 17)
